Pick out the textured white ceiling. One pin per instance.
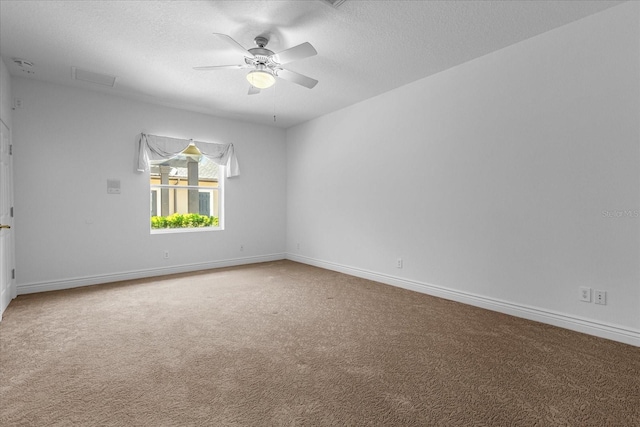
(364, 47)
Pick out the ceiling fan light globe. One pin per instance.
(261, 79)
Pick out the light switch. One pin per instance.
(113, 186)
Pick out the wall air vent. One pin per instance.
(91, 77)
(23, 63)
(25, 66)
(334, 3)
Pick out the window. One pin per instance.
(186, 192)
(186, 181)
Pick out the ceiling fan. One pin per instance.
(266, 64)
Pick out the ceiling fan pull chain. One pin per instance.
(274, 103)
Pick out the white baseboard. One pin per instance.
(599, 329)
(75, 282)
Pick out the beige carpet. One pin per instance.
(284, 344)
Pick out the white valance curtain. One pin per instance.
(154, 147)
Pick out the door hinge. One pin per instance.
(11, 211)
(13, 273)
(11, 149)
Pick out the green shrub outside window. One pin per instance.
(192, 220)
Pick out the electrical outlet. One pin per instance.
(241, 248)
(166, 254)
(585, 294)
(399, 263)
(298, 246)
(600, 297)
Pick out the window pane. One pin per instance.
(176, 170)
(186, 208)
(175, 207)
(154, 202)
(205, 203)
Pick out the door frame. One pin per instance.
(10, 257)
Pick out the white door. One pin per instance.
(7, 291)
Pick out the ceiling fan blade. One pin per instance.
(253, 90)
(301, 51)
(221, 67)
(297, 78)
(234, 44)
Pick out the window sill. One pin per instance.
(184, 230)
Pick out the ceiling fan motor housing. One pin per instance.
(261, 42)
(262, 54)
(260, 51)
(262, 57)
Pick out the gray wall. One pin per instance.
(492, 180)
(70, 232)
